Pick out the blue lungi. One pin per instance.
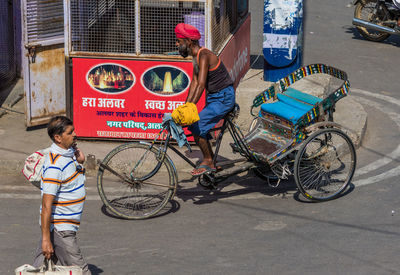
(217, 106)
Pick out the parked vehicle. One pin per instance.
(376, 20)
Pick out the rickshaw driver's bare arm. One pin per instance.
(198, 83)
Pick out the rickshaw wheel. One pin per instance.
(325, 164)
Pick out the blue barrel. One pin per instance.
(282, 37)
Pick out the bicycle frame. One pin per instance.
(235, 133)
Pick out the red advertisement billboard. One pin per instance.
(126, 98)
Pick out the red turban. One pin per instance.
(187, 31)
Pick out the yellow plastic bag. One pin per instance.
(186, 114)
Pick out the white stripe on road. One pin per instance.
(393, 173)
(379, 96)
(19, 188)
(389, 157)
(20, 196)
(394, 116)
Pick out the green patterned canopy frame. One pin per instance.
(319, 108)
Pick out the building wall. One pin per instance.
(8, 68)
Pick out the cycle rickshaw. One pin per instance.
(292, 135)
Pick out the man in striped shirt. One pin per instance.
(63, 197)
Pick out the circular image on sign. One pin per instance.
(165, 80)
(110, 78)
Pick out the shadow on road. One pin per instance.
(171, 207)
(393, 40)
(300, 198)
(244, 185)
(94, 269)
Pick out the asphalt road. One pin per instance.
(250, 228)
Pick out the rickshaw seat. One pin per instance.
(292, 112)
(307, 98)
(294, 102)
(291, 105)
(283, 110)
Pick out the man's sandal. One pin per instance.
(202, 169)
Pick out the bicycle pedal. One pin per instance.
(211, 172)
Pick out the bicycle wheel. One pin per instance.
(325, 164)
(133, 183)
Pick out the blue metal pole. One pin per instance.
(282, 37)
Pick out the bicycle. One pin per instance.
(313, 149)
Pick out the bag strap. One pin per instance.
(48, 265)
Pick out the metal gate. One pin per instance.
(44, 62)
(145, 28)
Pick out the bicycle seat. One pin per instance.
(234, 112)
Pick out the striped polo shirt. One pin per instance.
(63, 177)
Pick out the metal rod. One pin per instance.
(369, 25)
(182, 156)
(219, 139)
(236, 169)
(137, 27)
(104, 166)
(159, 185)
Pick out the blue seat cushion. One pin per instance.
(284, 110)
(294, 103)
(291, 105)
(307, 98)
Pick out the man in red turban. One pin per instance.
(187, 31)
(209, 74)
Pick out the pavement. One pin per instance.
(17, 142)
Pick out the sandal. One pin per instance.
(202, 169)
